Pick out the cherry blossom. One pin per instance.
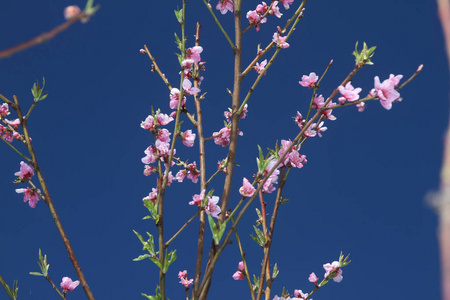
(222, 137)
(163, 119)
(349, 93)
(197, 199)
(150, 156)
(224, 6)
(254, 18)
(174, 98)
(318, 102)
(246, 189)
(260, 67)
(280, 40)
(320, 128)
(188, 138)
(275, 10)
(298, 119)
(268, 186)
(309, 81)
(360, 106)
(148, 123)
(4, 110)
(14, 123)
(334, 271)
(148, 170)
(299, 294)
(26, 171)
(212, 208)
(386, 91)
(313, 278)
(152, 196)
(30, 195)
(286, 3)
(194, 53)
(327, 113)
(71, 11)
(240, 273)
(188, 89)
(68, 285)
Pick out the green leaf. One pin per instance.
(179, 15)
(36, 274)
(178, 42)
(275, 271)
(141, 257)
(261, 238)
(171, 258)
(212, 225)
(156, 262)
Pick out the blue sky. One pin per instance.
(362, 191)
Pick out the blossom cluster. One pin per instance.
(209, 203)
(182, 275)
(8, 131)
(29, 194)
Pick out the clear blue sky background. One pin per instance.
(362, 191)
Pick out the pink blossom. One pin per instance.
(180, 175)
(148, 123)
(8, 135)
(26, 171)
(149, 170)
(238, 275)
(186, 282)
(327, 113)
(246, 189)
(299, 294)
(182, 274)
(261, 8)
(152, 196)
(68, 285)
(320, 128)
(349, 93)
(268, 186)
(243, 114)
(260, 67)
(163, 147)
(360, 106)
(294, 158)
(69, 13)
(241, 266)
(197, 199)
(188, 89)
(286, 3)
(187, 65)
(194, 53)
(298, 119)
(222, 137)
(14, 123)
(275, 10)
(188, 138)
(334, 271)
(193, 173)
(170, 178)
(30, 195)
(310, 132)
(280, 40)
(163, 119)
(163, 135)
(318, 102)
(386, 91)
(4, 110)
(212, 208)
(224, 6)
(254, 18)
(309, 81)
(313, 278)
(150, 156)
(174, 98)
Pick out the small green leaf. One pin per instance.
(171, 258)
(36, 274)
(141, 257)
(275, 271)
(179, 15)
(212, 225)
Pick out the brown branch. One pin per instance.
(48, 200)
(42, 38)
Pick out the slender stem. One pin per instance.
(220, 25)
(54, 287)
(181, 229)
(42, 38)
(233, 141)
(203, 182)
(48, 200)
(5, 286)
(9, 102)
(238, 240)
(15, 149)
(157, 69)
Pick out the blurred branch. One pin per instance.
(42, 38)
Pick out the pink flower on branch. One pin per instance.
(286, 3)
(182, 275)
(188, 138)
(69, 13)
(280, 40)
(224, 6)
(68, 285)
(313, 278)
(197, 199)
(247, 188)
(334, 271)
(260, 67)
(240, 274)
(4, 110)
(194, 53)
(386, 91)
(309, 81)
(30, 195)
(349, 93)
(300, 295)
(212, 208)
(26, 171)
